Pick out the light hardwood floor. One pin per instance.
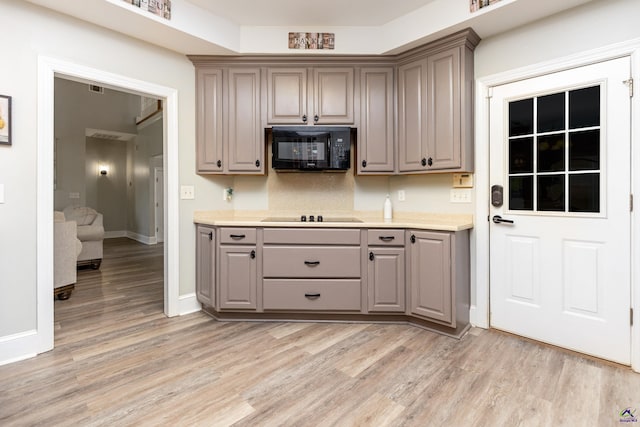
(119, 361)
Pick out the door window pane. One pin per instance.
(584, 192)
(551, 112)
(551, 153)
(521, 117)
(521, 193)
(584, 107)
(521, 155)
(584, 150)
(551, 193)
(553, 161)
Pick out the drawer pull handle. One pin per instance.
(312, 263)
(386, 238)
(237, 236)
(312, 296)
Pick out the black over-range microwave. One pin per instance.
(311, 148)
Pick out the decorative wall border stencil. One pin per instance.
(475, 5)
(160, 8)
(311, 40)
(5, 120)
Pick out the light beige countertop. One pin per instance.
(337, 219)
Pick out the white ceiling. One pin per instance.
(352, 13)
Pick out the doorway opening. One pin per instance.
(48, 70)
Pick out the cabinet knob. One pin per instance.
(371, 256)
(364, 163)
(219, 163)
(413, 238)
(316, 118)
(253, 254)
(257, 163)
(423, 162)
(430, 161)
(304, 118)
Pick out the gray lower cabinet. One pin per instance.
(416, 274)
(386, 271)
(205, 265)
(312, 269)
(439, 276)
(238, 267)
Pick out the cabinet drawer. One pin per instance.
(384, 237)
(316, 236)
(325, 295)
(311, 261)
(238, 235)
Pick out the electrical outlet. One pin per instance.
(401, 196)
(459, 195)
(187, 192)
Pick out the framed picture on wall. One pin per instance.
(5, 120)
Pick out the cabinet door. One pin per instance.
(287, 96)
(209, 119)
(431, 287)
(412, 137)
(385, 279)
(205, 265)
(245, 148)
(238, 277)
(333, 96)
(375, 133)
(443, 111)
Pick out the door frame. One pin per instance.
(48, 69)
(155, 202)
(480, 310)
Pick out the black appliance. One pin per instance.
(311, 148)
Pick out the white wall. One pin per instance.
(38, 32)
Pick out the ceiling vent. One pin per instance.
(96, 89)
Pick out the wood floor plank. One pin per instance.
(119, 361)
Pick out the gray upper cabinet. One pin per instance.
(412, 111)
(245, 142)
(412, 144)
(209, 120)
(375, 153)
(309, 96)
(435, 106)
(286, 95)
(230, 136)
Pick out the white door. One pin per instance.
(158, 205)
(560, 149)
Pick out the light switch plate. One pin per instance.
(187, 192)
(1, 193)
(462, 180)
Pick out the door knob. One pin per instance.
(497, 219)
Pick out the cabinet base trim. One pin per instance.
(456, 333)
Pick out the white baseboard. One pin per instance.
(476, 319)
(188, 304)
(147, 240)
(115, 234)
(16, 347)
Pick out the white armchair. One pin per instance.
(66, 248)
(90, 233)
